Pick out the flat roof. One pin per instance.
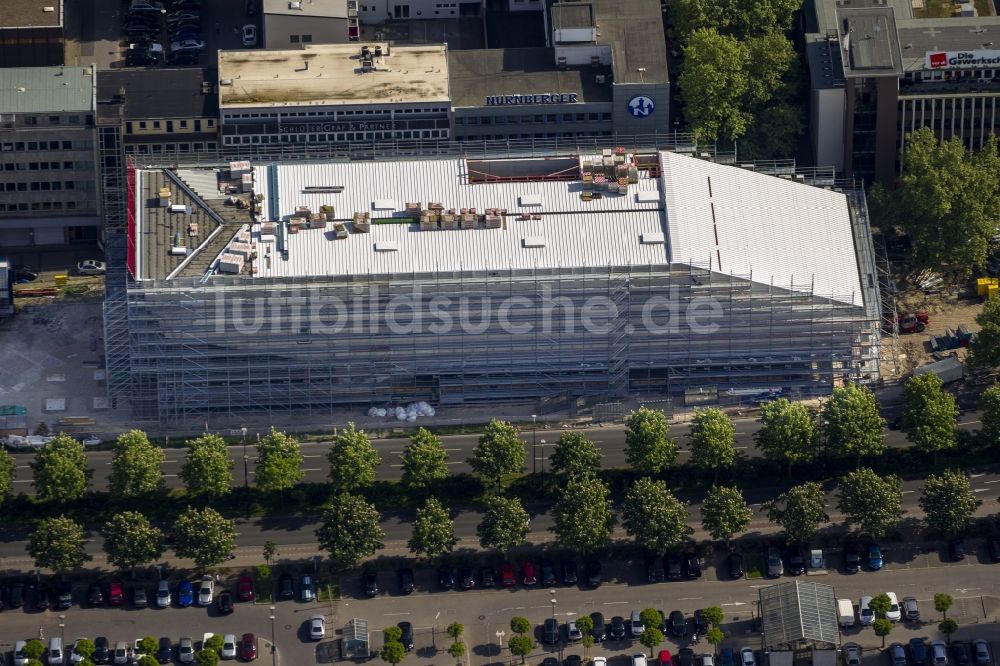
(572, 15)
(331, 74)
(730, 220)
(869, 43)
(634, 31)
(30, 13)
(46, 89)
(307, 8)
(192, 93)
(477, 74)
(959, 33)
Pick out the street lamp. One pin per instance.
(273, 656)
(541, 444)
(245, 472)
(553, 600)
(500, 635)
(534, 454)
(62, 629)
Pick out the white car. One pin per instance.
(747, 657)
(163, 595)
(600, 661)
(75, 657)
(317, 627)
(639, 659)
(188, 45)
(249, 35)
(894, 614)
(91, 267)
(228, 650)
(20, 659)
(865, 611)
(205, 591)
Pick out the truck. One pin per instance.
(914, 322)
(949, 369)
(845, 613)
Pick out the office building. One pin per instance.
(290, 24)
(48, 193)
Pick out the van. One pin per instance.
(55, 651)
(635, 625)
(845, 613)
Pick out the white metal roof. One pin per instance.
(746, 223)
(779, 232)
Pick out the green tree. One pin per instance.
(583, 515)
(575, 455)
(204, 536)
(149, 645)
(714, 85)
(724, 512)
(943, 602)
(205, 657)
(742, 18)
(948, 627)
(207, 469)
(7, 467)
(775, 130)
(872, 502)
(392, 634)
(880, 605)
(930, 415)
(34, 649)
(456, 649)
(393, 652)
(84, 647)
(713, 440)
(424, 460)
(500, 452)
(650, 617)
(948, 501)
(944, 202)
(505, 524)
(433, 530)
(883, 628)
(852, 423)
(279, 462)
(455, 630)
(654, 517)
(521, 646)
(135, 466)
(214, 643)
(713, 615)
(58, 544)
(350, 530)
(146, 660)
(130, 540)
(35, 662)
(520, 625)
(989, 405)
(585, 624)
(799, 510)
(60, 470)
(651, 637)
(270, 550)
(787, 433)
(986, 352)
(648, 446)
(353, 460)
(714, 636)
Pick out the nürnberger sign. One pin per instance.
(547, 98)
(961, 59)
(343, 126)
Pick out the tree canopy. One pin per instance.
(583, 515)
(60, 470)
(931, 414)
(135, 466)
(433, 530)
(500, 451)
(353, 460)
(724, 512)
(986, 352)
(349, 530)
(207, 469)
(504, 525)
(800, 511)
(948, 502)
(713, 439)
(852, 423)
(649, 448)
(130, 540)
(204, 535)
(872, 502)
(989, 405)
(58, 544)
(424, 460)
(787, 433)
(7, 467)
(654, 517)
(279, 462)
(575, 455)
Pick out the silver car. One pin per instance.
(939, 653)
(911, 611)
(163, 594)
(981, 652)
(852, 654)
(775, 566)
(228, 650)
(897, 654)
(185, 650)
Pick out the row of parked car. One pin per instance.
(619, 628)
(685, 657)
(122, 653)
(467, 577)
(144, 24)
(919, 653)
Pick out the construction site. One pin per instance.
(564, 280)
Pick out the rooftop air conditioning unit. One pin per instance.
(561, 62)
(600, 78)
(295, 5)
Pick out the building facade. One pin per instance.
(290, 24)
(48, 193)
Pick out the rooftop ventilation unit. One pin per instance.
(386, 246)
(295, 5)
(653, 238)
(533, 241)
(530, 199)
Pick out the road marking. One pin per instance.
(23, 466)
(976, 476)
(980, 490)
(735, 603)
(907, 492)
(969, 422)
(437, 616)
(504, 610)
(615, 603)
(312, 469)
(394, 614)
(316, 456)
(454, 449)
(170, 475)
(23, 481)
(169, 461)
(993, 481)
(739, 448)
(689, 598)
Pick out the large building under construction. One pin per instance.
(311, 286)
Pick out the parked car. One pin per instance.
(187, 45)
(466, 579)
(981, 652)
(635, 625)
(286, 588)
(206, 591)
(865, 612)
(796, 563)
(165, 651)
(40, 596)
(569, 576)
(404, 577)
(775, 566)
(700, 623)
(548, 573)
(573, 632)
(76, 657)
(592, 568)
(852, 654)
(95, 595)
(369, 582)
(307, 589)
(248, 647)
(102, 650)
(317, 627)
(639, 659)
(406, 635)
(678, 624)
(685, 657)
(672, 567)
(897, 655)
(244, 589)
(487, 577)
(550, 631)
(185, 594)
(727, 657)
(617, 630)
(960, 653)
(654, 570)
(139, 599)
(183, 58)
(599, 632)
(224, 603)
(735, 564)
(529, 576)
(748, 657)
(956, 549)
(573, 660)
(911, 610)
(993, 545)
(91, 267)
(446, 577)
(507, 578)
(122, 654)
(163, 594)
(692, 565)
(228, 650)
(939, 653)
(875, 558)
(894, 614)
(918, 651)
(705, 659)
(15, 595)
(64, 595)
(185, 650)
(664, 658)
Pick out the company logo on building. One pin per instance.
(548, 98)
(640, 106)
(961, 59)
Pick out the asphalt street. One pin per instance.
(611, 440)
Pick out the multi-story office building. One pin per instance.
(48, 193)
(879, 70)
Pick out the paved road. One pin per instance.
(610, 439)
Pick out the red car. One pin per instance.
(507, 578)
(528, 574)
(244, 588)
(248, 647)
(116, 593)
(664, 658)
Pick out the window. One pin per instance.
(197, 125)
(32, 145)
(57, 185)
(294, 39)
(30, 120)
(70, 204)
(184, 124)
(53, 120)
(128, 127)
(401, 11)
(35, 187)
(46, 186)
(22, 187)
(69, 185)
(156, 124)
(170, 126)
(19, 145)
(67, 165)
(142, 124)
(67, 145)
(74, 120)
(307, 39)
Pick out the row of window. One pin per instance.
(19, 146)
(56, 120)
(38, 205)
(535, 118)
(950, 75)
(340, 136)
(161, 148)
(338, 114)
(537, 135)
(39, 166)
(167, 124)
(46, 186)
